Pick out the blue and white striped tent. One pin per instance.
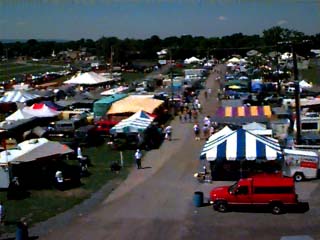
(241, 145)
(136, 123)
(18, 96)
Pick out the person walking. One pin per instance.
(196, 129)
(168, 132)
(209, 91)
(138, 156)
(206, 132)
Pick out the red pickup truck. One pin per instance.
(274, 191)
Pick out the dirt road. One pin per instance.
(152, 203)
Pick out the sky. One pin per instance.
(141, 19)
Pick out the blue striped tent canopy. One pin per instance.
(241, 145)
(136, 123)
(18, 96)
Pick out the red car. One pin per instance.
(273, 191)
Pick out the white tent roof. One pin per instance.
(33, 149)
(18, 115)
(234, 60)
(286, 56)
(88, 78)
(305, 84)
(114, 91)
(192, 60)
(18, 96)
(40, 110)
(138, 122)
(239, 145)
(242, 60)
(254, 126)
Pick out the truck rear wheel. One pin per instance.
(298, 177)
(276, 208)
(221, 206)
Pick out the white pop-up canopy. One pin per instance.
(88, 78)
(40, 110)
(32, 150)
(18, 115)
(191, 60)
(138, 122)
(18, 96)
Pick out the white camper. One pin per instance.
(300, 164)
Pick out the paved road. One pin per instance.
(156, 202)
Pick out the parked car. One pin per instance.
(270, 190)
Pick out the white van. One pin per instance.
(300, 164)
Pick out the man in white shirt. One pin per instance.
(168, 131)
(138, 156)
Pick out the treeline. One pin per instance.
(273, 39)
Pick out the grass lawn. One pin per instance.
(313, 73)
(45, 203)
(135, 76)
(10, 70)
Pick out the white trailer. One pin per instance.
(300, 164)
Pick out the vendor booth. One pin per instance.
(137, 123)
(242, 114)
(125, 107)
(26, 157)
(236, 153)
(136, 131)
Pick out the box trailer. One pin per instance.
(300, 164)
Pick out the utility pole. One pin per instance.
(277, 73)
(111, 63)
(296, 90)
(296, 94)
(171, 76)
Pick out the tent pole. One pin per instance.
(241, 169)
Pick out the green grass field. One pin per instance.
(10, 70)
(313, 73)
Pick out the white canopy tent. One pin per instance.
(241, 145)
(230, 64)
(136, 123)
(234, 60)
(40, 110)
(33, 149)
(18, 115)
(88, 78)
(18, 97)
(191, 60)
(304, 84)
(258, 129)
(114, 91)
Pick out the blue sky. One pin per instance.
(140, 19)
